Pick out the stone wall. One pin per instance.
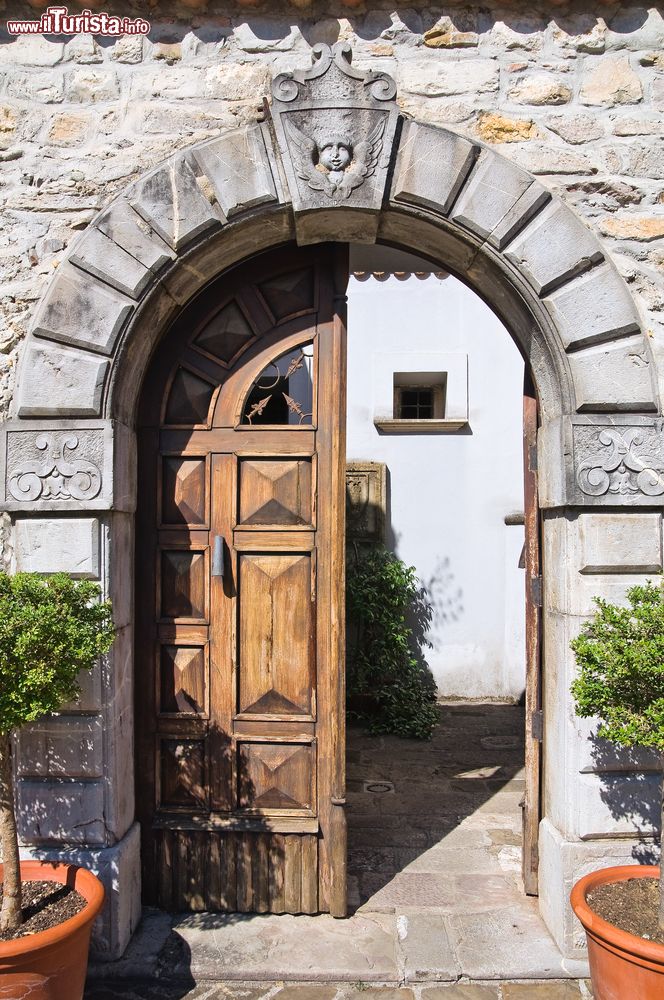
(574, 97)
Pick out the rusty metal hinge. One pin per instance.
(536, 590)
(532, 458)
(537, 726)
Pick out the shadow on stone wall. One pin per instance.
(630, 783)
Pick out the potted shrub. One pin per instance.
(620, 653)
(51, 628)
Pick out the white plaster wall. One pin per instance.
(448, 493)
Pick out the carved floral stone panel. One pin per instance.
(335, 126)
(54, 468)
(620, 464)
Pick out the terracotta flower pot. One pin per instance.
(52, 964)
(622, 966)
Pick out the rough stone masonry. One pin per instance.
(573, 94)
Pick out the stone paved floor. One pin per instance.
(434, 885)
(531, 990)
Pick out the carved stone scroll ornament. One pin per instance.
(335, 126)
(622, 461)
(60, 476)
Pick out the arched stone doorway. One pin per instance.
(69, 450)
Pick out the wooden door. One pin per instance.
(534, 720)
(240, 548)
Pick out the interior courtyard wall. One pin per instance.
(454, 497)
(45, 207)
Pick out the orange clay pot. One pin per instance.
(622, 966)
(52, 964)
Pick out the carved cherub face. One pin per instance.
(335, 154)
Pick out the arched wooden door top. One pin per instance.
(239, 609)
(236, 326)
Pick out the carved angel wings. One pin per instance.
(363, 164)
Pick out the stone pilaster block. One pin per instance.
(60, 382)
(104, 259)
(432, 166)
(612, 805)
(553, 248)
(593, 308)
(620, 543)
(58, 545)
(492, 192)
(61, 811)
(81, 311)
(62, 746)
(562, 863)
(172, 203)
(238, 168)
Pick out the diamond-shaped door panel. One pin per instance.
(189, 399)
(226, 334)
(275, 492)
(290, 295)
(276, 776)
(184, 491)
(183, 584)
(182, 774)
(275, 640)
(183, 680)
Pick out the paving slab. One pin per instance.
(450, 893)
(441, 858)
(461, 991)
(309, 991)
(261, 948)
(541, 991)
(505, 944)
(426, 952)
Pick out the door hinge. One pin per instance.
(532, 458)
(536, 590)
(537, 726)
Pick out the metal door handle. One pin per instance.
(218, 557)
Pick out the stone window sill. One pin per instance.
(433, 426)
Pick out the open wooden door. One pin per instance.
(533, 763)
(240, 595)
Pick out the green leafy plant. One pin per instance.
(51, 628)
(620, 653)
(389, 689)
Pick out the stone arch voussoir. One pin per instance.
(148, 244)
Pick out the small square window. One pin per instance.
(419, 395)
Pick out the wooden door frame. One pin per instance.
(533, 634)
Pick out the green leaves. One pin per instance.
(620, 653)
(384, 676)
(51, 628)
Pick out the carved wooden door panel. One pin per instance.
(239, 687)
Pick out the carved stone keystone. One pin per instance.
(335, 129)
